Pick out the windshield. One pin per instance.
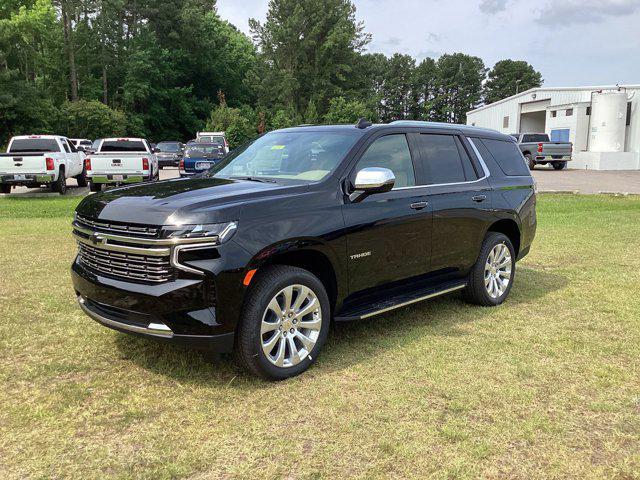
(169, 147)
(200, 149)
(304, 156)
(123, 146)
(35, 145)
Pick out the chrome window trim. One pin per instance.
(485, 170)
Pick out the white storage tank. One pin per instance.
(608, 121)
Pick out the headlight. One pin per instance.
(216, 232)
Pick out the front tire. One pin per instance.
(490, 279)
(285, 322)
(5, 188)
(95, 187)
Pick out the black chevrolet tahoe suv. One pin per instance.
(302, 227)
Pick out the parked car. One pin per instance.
(120, 161)
(199, 156)
(36, 160)
(214, 137)
(538, 149)
(81, 143)
(170, 153)
(303, 226)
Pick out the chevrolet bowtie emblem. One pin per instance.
(96, 239)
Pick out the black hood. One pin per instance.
(185, 200)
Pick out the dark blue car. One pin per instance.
(200, 156)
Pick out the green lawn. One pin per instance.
(545, 386)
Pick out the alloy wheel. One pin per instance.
(291, 325)
(497, 270)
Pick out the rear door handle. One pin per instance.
(419, 205)
(479, 198)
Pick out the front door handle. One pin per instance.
(479, 198)
(419, 205)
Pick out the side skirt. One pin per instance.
(398, 301)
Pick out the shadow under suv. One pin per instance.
(305, 226)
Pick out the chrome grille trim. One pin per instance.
(117, 228)
(103, 261)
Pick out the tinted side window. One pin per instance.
(442, 159)
(65, 146)
(392, 152)
(508, 157)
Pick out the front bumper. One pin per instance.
(168, 162)
(182, 311)
(156, 330)
(23, 179)
(126, 178)
(553, 158)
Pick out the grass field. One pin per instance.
(545, 386)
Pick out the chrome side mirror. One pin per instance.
(372, 180)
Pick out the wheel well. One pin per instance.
(510, 229)
(316, 263)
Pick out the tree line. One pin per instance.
(164, 69)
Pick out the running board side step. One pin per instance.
(361, 312)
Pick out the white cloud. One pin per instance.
(492, 6)
(595, 45)
(570, 12)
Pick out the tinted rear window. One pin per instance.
(508, 157)
(34, 145)
(535, 138)
(446, 159)
(123, 146)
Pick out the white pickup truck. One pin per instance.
(36, 160)
(121, 160)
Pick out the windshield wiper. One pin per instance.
(255, 179)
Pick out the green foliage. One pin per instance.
(508, 77)
(240, 125)
(308, 51)
(342, 111)
(156, 67)
(91, 119)
(460, 79)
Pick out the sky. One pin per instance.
(571, 42)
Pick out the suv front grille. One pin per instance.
(117, 228)
(125, 265)
(123, 251)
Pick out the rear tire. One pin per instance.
(5, 188)
(82, 179)
(559, 165)
(530, 161)
(270, 326)
(490, 279)
(60, 185)
(95, 187)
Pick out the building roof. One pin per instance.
(552, 89)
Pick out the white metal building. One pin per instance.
(602, 122)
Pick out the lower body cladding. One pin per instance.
(199, 310)
(17, 179)
(117, 178)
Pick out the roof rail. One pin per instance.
(363, 123)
